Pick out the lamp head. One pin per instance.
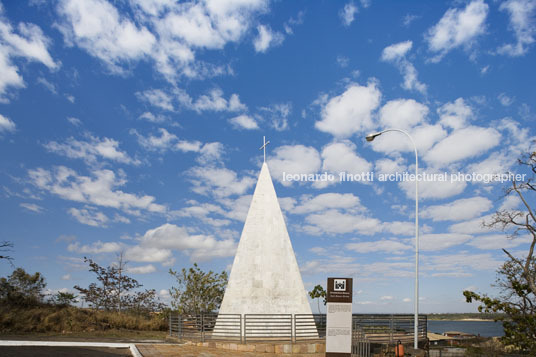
(371, 137)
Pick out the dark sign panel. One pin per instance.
(339, 290)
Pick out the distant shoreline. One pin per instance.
(463, 317)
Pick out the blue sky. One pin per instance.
(134, 126)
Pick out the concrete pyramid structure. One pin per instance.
(265, 278)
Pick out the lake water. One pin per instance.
(482, 328)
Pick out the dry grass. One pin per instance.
(51, 319)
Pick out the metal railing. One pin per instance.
(360, 343)
(205, 327)
(385, 328)
(367, 328)
(309, 327)
(271, 327)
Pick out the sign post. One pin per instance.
(339, 317)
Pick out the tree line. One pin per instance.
(114, 290)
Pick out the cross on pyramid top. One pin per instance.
(263, 147)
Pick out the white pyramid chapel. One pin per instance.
(265, 278)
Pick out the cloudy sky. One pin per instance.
(134, 126)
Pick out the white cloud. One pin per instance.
(459, 210)
(237, 209)
(162, 142)
(396, 51)
(457, 27)
(95, 248)
(146, 254)
(31, 207)
(460, 264)
(244, 122)
(183, 27)
(386, 298)
(388, 166)
(143, 269)
(347, 13)
(396, 54)
(89, 216)
(350, 112)
(267, 38)
(212, 101)
(74, 121)
(6, 124)
(335, 222)
(208, 152)
(510, 202)
(121, 219)
(403, 228)
(473, 226)
(150, 117)
(408, 19)
(97, 27)
(203, 211)
(433, 242)
(424, 136)
(29, 43)
(496, 163)
(97, 190)
(522, 23)
(66, 277)
(341, 157)
(342, 61)
(198, 247)
(505, 100)
(326, 201)
(402, 113)
(387, 246)
(157, 98)
(49, 86)
(498, 241)
(462, 144)
(220, 182)
(293, 159)
(278, 115)
(433, 189)
(92, 150)
(455, 114)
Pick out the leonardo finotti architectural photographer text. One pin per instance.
(405, 176)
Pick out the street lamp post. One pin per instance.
(371, 137)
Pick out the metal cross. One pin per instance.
(263, 147)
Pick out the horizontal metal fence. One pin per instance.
(385, 328)
(205, 327)
(272, 327)
(309, 327)
(367, 328)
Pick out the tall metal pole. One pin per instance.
(416, 298)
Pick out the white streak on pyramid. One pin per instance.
(265, 277)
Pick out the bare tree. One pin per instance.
(516, 222)
(516, 278)
(6, 246)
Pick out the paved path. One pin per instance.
(42, 351)
(168, 350)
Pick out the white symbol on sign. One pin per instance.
(340, 285)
